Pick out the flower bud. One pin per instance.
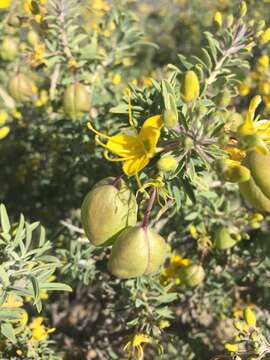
(137, 251)
(76, 100)
(107, 210)
(9, 49)
(190, 88)
(192, 275)
(21, 88)
(218, 19)
(256, 191)
(170, 119)
(167, 163)
(222, 239)
(243, 8)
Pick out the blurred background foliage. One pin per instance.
(49, 161)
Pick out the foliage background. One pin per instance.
(49, 162)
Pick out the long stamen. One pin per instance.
(90, 127)
(107, 157)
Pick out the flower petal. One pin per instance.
(149, 136)
(132, 167)
(125, 145)
(153, 121)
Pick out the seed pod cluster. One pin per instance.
(109, 217)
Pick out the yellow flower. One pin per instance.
(252, 126)
(231, 347)
(4, 131)
(3, 117)
(265, 37)
(249, 317)
(173, 270)
(263, 61)
(134, 150)
(244, 89)
(116, 80)
(24, 318)
(134, 346)
(39, 331)
(38, 55)
(4, 4)
(12, 301)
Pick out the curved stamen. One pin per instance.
(107, 157)
(90, 127)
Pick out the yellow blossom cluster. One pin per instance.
(258, 80)
(171, 273)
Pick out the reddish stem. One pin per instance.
(117, 179)
(149, 208)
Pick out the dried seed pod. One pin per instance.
(107, 210)
(21, 88)
(192, 275)
(9, 48)
(223, 239)
(137, 251)
(76, 100)
(256, 191)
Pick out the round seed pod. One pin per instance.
(192, 275)
(9, 49)
(21, 88)
(32, 37)
(137, 251)
(222, 239)
(76, 100)
(256, 191)
(107, 210)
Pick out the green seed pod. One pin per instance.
(167, 163)
(192, 275)
(170, 119)
(224, 99)
(32, 38)
(190, 88)
(232, 171)
(9, 49)
(222, 239)
(256, 191)
(107, 210)
(137, 251)
(76, 100)
(21, 88)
